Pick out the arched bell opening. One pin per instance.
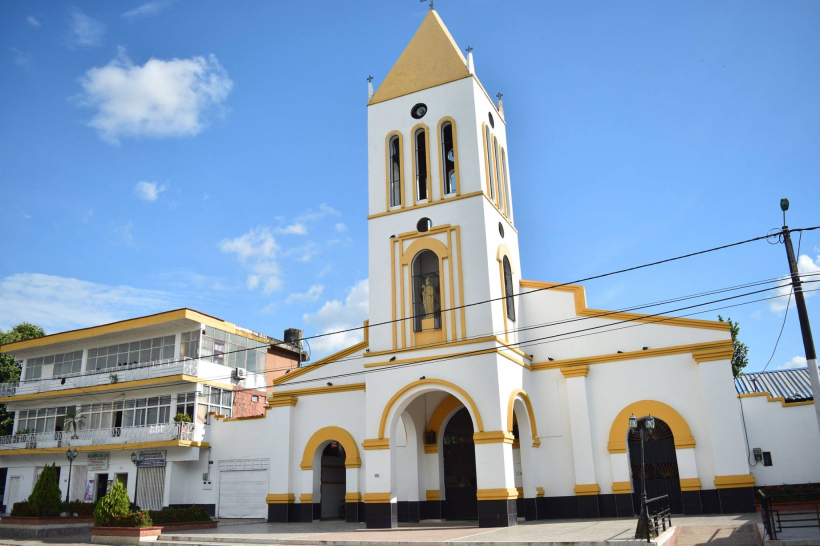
(660, 468)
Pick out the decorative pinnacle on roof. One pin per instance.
(431, 3)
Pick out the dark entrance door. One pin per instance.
(661, 466)
(102, 485)
(459, 468)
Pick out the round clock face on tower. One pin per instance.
(418, 111)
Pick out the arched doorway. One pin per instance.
(661, 464)
(459, 468)
(333, 481)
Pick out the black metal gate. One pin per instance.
(459, 468)
(661, 466)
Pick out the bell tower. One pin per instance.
(441, 230)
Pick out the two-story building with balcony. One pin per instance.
(119, 391)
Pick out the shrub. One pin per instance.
(44, 500)
(179, 515)
(82, 509)
(134, 519)
(115, 504)
(182, 418)
(21, 509)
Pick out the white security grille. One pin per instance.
(151, 487)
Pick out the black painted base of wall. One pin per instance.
(408, 511)
(497, 513)
(588, 507)
(209, 508)
(354, 512)
(431, 509)
(381, 515)
(284, 513)
(530, 509)
(737, 500)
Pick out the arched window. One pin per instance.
(448, 158)
(508, 289)
(508, 203)
(420, 147)
(426, 292)
(500, 198)
(394, 170)
(488, 153)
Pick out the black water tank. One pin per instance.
(294, 336)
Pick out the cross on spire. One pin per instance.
(369, 79)
(431, 3)
(469, 49)
(499, 95)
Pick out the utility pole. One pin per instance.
(805, 327)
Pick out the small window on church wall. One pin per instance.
(421, 164)
(488, 151)
(498, 174)
(448, 158)
(395, 171)
(506, 183)
(426, 292)
(508, 289)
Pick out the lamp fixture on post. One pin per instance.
(644, 529)
(137, 460)
(70, 455)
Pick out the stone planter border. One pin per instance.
(124, 535)
(58, 520)
(187, 526)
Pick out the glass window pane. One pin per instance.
(134, 346)
(105, 420)
(226, 398)
(145, 355)
(95, 421)
(141, 403)
(50, 424)
(167, 352)
(152, 416)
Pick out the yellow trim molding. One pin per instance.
(372, 498)
(432, 494)
(493, 437)
(285, 400)
(445, 408)
(509, 493)
(582, 490)
(710, 354)
(353, 497)
(520, 492)
(770, 398)
(680, 428)
(442, 174)
(326, 434)
(330, 389)
(130, 324)
(475, 413)
(422, 205)
(511, 414)
(575, 371)
(319, 363)
(690, 484)
(582, 310)
(499, 350)
(112, 447)
(306, 498)
(539, 492)
(632, 355)
(280, 498)
(376, 443)
(621, 488)
(737, 480)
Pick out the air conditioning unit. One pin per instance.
(240, 373)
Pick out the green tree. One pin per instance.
(10, 369)
(45, 500)
(741, 357)
(113, 505)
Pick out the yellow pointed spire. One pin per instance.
(431, 58)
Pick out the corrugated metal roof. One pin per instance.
(789, 384)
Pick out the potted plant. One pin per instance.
(180, 419)
(115, 523)
(73, 422)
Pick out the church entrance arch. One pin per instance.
(661, 465)
(460, 487)
(333, 481)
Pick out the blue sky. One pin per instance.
(213, 155)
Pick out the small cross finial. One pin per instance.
(431, 3)
(369, 79)
(469, 49)
(499, 95)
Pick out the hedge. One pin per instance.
(179, 515)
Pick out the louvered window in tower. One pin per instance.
(394, 170)
(508, 289)
(448, 158)
(420, 145)
(488, 153)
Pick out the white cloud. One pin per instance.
(312, 215)
(125, 232)
(312, 294)
(84, 31)
(336, 315)
(796, 362)
(149, 191)
(62, 303)
(805, 265)
(303, 253)
(341, 226)
(159, 99)
(148, 9)
(32, 21)
(293, 229)
(20, 58)
(256, 251)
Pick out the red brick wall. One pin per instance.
(244, 406)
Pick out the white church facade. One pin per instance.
(476, 394)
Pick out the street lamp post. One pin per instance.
(643, 529)
(137, 460)
(70, 455)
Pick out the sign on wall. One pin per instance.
(97, 461)
(89, 490)
(152, 458)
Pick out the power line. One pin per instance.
(786, 314)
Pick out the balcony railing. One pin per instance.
(105, 436)
(91, 378)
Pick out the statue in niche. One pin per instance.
(427, 298)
